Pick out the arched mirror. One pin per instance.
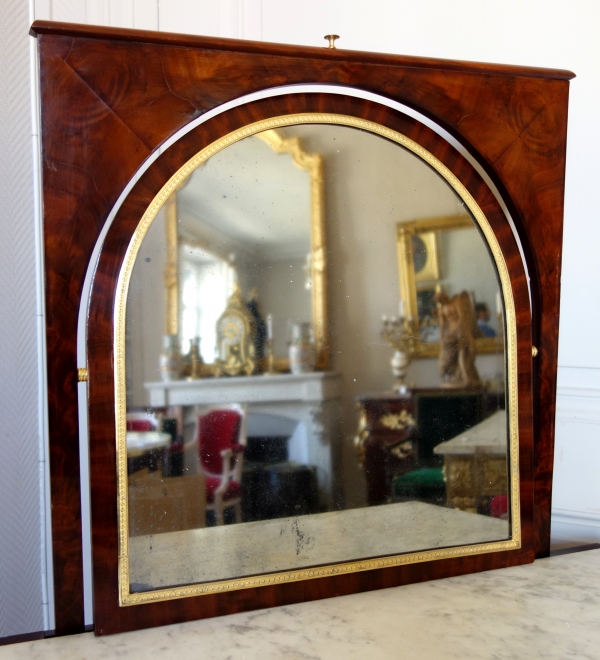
(267, 426)
(313, 323)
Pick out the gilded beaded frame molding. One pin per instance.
(125, 597)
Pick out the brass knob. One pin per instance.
(331, 38)
(534, 351)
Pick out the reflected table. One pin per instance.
(475, 467)
(160, 503)
(145, 449)
(141, 442)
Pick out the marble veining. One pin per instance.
(549, 609)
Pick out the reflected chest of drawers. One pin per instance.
(398, 433)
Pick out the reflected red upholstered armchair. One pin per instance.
(221, 443)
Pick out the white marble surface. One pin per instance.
(490, 436)
(550, 610)
(269, 546)
(314, 386)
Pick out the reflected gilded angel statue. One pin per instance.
(458, 328)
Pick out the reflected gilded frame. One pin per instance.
(309, 162)
(430, 227)
(125, 596)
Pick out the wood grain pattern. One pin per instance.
(111, 97)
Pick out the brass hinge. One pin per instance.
(82, 375)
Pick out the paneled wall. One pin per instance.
(239, 19)
(22, 559)
(576, 491)
(555, 33)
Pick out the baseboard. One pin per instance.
(26, 637)
(575, 525)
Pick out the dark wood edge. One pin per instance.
(546, 311)
(25, 637)
(574, 549)
(290, 50)
(110, 618)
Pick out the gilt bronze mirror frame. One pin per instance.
(101, 122)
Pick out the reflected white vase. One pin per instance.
(400, 362)
(302, 349)
(170, 359)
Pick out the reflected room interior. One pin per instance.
(315, 364)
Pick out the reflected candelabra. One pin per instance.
(398, 333)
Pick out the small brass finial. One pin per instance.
(331, 38)
(534, 351)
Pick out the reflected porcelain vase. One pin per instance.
(302, 349)
(400, 362)
(170, 359)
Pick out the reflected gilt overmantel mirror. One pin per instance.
(309, 321)
(252, 215)
(436, 256)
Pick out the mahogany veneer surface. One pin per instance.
(111, 97)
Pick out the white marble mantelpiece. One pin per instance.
(547, 610)
(309, 400)
(317, 386)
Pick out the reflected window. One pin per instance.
(206, 283)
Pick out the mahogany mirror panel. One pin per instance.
(93, 150)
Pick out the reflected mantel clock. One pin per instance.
(235, 338)
(124, 111)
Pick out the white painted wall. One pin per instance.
(554, 33)
(23, 597)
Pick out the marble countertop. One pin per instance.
(549, 609)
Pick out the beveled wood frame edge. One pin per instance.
(41, 27)
(109, 617)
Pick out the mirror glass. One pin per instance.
(277, 418)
